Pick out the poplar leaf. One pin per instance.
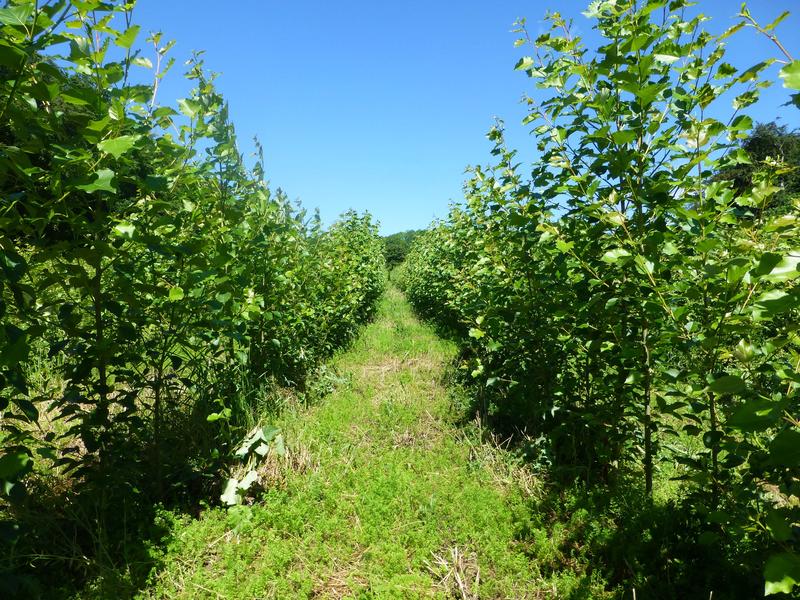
(645, 266)
(249, 479)
(563, 246)
(784, 450)
(13, 463)
(727, 384)
(785, 270)
(667, 59)
(189, 107)
(229, 496)
(16, 15)
(126, 39)
(525, 63)
(791, 75)
(102, 182)
(781, 573)
(614, 255)
(118, 146)
(69, 99)
(125, 229)
(775, 302)
(624, 136)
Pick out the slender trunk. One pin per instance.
(712, 407)
(99, 325)
(648, 423)
(157, 410)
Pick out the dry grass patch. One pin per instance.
(457, 573)
(391, 365)
(507, 472)
(343, 580)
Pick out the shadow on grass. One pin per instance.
(97, 532)
(631, 543)
(100, 531)
(595, 525)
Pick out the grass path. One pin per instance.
(381, 495)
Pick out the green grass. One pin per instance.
(382, 495)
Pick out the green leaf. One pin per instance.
(126, 39)
(623, 136)
(189, 107)
(476, 333)
(223, 414)
(727, 384)
(176, 293)
(280, 446)
(16, 15)
(125, 229)
(778, 526)
(564, 247)
(781, 573)
(645, 266)
(102, 182)
(69, 99)
(142, 61)
(594, 11)
(28, 408)
(784, 451)
(742, 123)
(13, 463)
(775, 302)
(767, 262)
(647, 94)
(230, 496)
(119, 145)
(755, 415)
(524, 64)
(785, 270)
(614, 255)
(614, 217)
(259, 434)
(667, 59)
(791, 75)
(744, 351)
(249, 479)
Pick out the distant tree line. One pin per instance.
(396, 246)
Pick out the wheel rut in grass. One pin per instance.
(381, 494)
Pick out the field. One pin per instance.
(582, 382)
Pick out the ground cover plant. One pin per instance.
(630, 307)
(154, 292)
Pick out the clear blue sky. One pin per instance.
(380, 106)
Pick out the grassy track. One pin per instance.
(382, 496)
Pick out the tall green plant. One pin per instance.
(624, 299)
(164, 284)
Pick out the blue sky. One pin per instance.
(380, 106)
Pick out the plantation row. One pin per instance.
(154, 292)
(632, 305)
